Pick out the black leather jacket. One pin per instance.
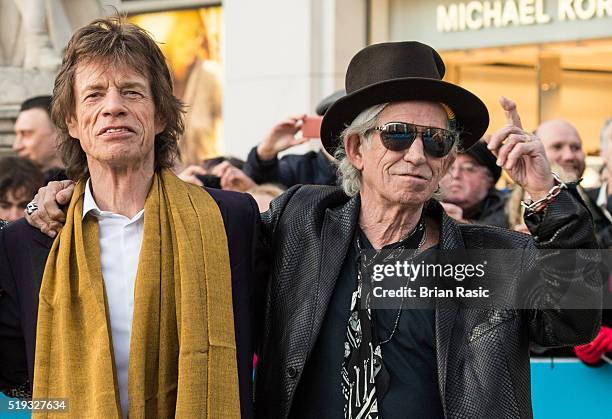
(482, 355)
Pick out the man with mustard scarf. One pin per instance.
(135, 314)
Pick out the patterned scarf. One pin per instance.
(365, 378)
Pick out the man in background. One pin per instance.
(36, 137)
(601, 197)
(563, 146)
(314, 167)
(594, 352)
(468, 189)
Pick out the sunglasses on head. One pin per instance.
(399, 136)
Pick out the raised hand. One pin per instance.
(281, 137)
(190, 174)
(232, 178)
(521, 154)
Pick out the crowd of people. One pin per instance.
(138, 287)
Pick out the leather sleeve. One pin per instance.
(264, 253)
(565, 224)
(271, 217)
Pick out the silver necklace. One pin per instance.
(419, 227)
(399, 311)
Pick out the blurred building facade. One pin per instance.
(554, 57)
(32, 36)
(243, 65)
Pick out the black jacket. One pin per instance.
(492, 212)
(312, 168)
(24, 251)
(482, 355)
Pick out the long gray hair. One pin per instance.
(362, 126)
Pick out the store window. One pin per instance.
(553, 57)
(191, 41)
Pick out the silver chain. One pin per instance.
(420, 226)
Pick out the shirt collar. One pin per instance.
(602, 196)
(89, 205)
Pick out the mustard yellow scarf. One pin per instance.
(182, 351)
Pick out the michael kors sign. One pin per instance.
(475, 15)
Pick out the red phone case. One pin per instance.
(312, 127)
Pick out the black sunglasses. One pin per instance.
(399, 136)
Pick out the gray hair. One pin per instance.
(362, 126)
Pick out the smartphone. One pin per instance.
(312, 127)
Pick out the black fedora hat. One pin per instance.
(401, 71)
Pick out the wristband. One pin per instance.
(542, 203)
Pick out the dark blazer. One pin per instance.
(482, 355)
(24, 251)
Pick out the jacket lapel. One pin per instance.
(446, 309)
(336, 234)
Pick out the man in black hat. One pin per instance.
(469, 188)
(314, 167)
(323, 352)
(395, 135)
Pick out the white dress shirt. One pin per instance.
(120, 241)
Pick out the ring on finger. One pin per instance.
(31, 207)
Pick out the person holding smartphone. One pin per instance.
(314, 167)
